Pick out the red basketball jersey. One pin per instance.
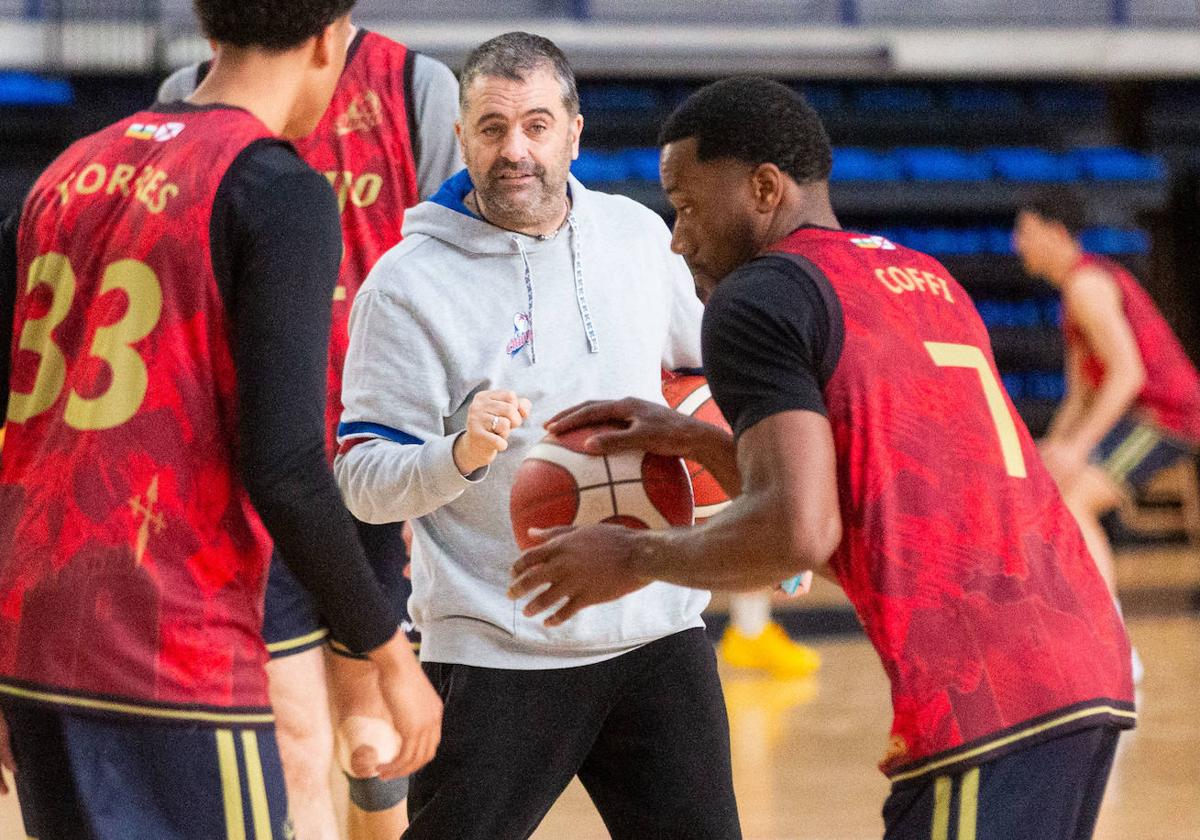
(1171, 395)
(966, 569)
(132, 565)
(364, 146)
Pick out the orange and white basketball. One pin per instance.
(560, 484)
(689, 394)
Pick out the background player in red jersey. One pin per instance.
(167, 285)
(386, 142)
(874, 444)
(1132, 405)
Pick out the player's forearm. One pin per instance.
(300, 506)
(1067, 417)
(1110, 402)
(750, 545)
(714, 449)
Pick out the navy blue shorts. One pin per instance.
(1049, 791)
(291, 622)
(92, 778)
(1136, 450)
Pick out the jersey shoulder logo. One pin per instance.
(873, 243)
(364, 113)
(153, 131)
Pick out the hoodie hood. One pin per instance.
(445, 217)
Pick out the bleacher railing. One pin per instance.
(845, 38)
(1115, 13)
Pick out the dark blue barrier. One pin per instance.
(1028, 164)
(23, 89)
(943, 164)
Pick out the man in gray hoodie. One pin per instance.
(517, 293)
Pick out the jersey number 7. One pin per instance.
(967, 356)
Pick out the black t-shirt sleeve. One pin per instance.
(771, 337)
(277, 245)
(8, 304)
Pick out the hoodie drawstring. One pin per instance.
(528, 298)
(580, 294)
(585, 313)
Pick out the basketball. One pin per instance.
(689, 394)
(560, 484)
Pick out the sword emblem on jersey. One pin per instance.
(363, 113)
(145, 510)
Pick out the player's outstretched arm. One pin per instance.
(785, 521)
(650, 427)
(287, 241)
(1094, 303)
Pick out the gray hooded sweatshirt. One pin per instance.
(462, 306)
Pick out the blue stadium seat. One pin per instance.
(894, 98)
(997, 240)
(595, 167)
(1057, 100)
(1051, 311)
(1025, 313)
(991, 311)
(25, 89)
(1111, 240)
(822, 97)
(942, 241)
(1045, 385)
(1014, 383)
(1117, 164)
(943, 164)
(1029, 164)
(642, 164)
(974, 99)
(619, 98)
(854, 164)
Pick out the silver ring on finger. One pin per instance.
(495, 420)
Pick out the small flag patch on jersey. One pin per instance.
(153, 131)
(874, 243)
(138, 131)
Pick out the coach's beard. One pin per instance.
(510, 209)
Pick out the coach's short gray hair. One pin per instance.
(513, 55)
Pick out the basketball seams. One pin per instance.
(559, 484)
(612, 491)
(690, 395)
(692, 403)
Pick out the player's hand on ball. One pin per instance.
(490, 419)
(415, 707)
(649, 427)
(581, 566)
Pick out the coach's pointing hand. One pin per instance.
(490, 419)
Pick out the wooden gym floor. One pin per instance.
(804, 752)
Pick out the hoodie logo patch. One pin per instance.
(522, 334)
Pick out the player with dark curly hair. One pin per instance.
(874, 444)
(168, 285)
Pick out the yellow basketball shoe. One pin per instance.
(772, 650)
